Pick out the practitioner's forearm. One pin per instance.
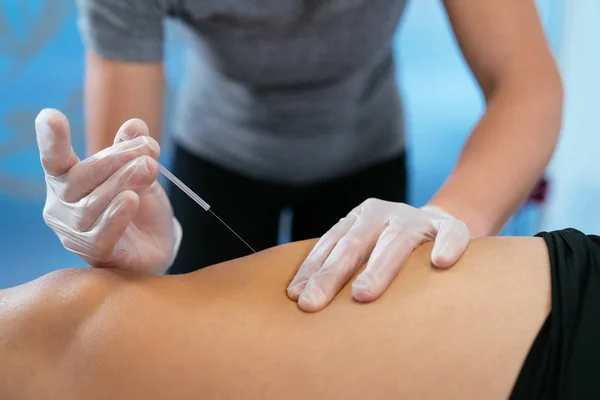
(505, 157)
(504, 44)
(116, 92)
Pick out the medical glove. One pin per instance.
(383, 234)
(109, 208)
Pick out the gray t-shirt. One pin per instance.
(266, 92)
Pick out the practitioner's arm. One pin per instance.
(229, 331)
(124, 72)
(116, 92)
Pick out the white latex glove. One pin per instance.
(384, 233)
(109, 208)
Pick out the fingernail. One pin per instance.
(362, 287)
(125, 135)
(296, 289)
(362, 282)
(313, 296)
(154, 147)
(147, 165)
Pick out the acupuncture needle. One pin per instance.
(185, 189)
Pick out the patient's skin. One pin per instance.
(230, 332)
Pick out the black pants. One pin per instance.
(564, 360)
(253, 208)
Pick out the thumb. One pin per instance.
(53, 136)
(450, 243)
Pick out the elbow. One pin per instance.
(552, 88)
(550, 97)
(543, 99)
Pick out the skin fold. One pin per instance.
(230, 331)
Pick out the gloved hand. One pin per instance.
(384, 233)
(109, 208)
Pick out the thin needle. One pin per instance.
(185, 189)
(234, 232)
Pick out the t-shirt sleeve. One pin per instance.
(123, 30)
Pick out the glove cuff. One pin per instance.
(437, 210)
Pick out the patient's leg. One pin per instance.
(229, 331)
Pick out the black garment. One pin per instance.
(564, 361)
(253, 208)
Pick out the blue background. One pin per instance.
(41, 65)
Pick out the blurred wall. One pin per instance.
(575, 168)
(41, 65)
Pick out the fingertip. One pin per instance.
(131, 129)
(294, 291)
(450, 244)
(154, 147)
(51, 122)
(364, 289)
(141, 173)
(307, 305)
(443, 261)
(312, 299)
(446, 256)
(300, 280)
(53, 138)
(51, 116)
(150, 166)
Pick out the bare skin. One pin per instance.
(116, 92)
(230, 332)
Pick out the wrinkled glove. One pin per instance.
(384, 233)
(109, 208)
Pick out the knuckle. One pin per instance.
(346, 219)
(343, 223)
(356, 211)
(403, 236)
(370, 201)
(397, 229)
(348, 243)
(364, 206)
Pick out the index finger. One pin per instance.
(53, 136)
